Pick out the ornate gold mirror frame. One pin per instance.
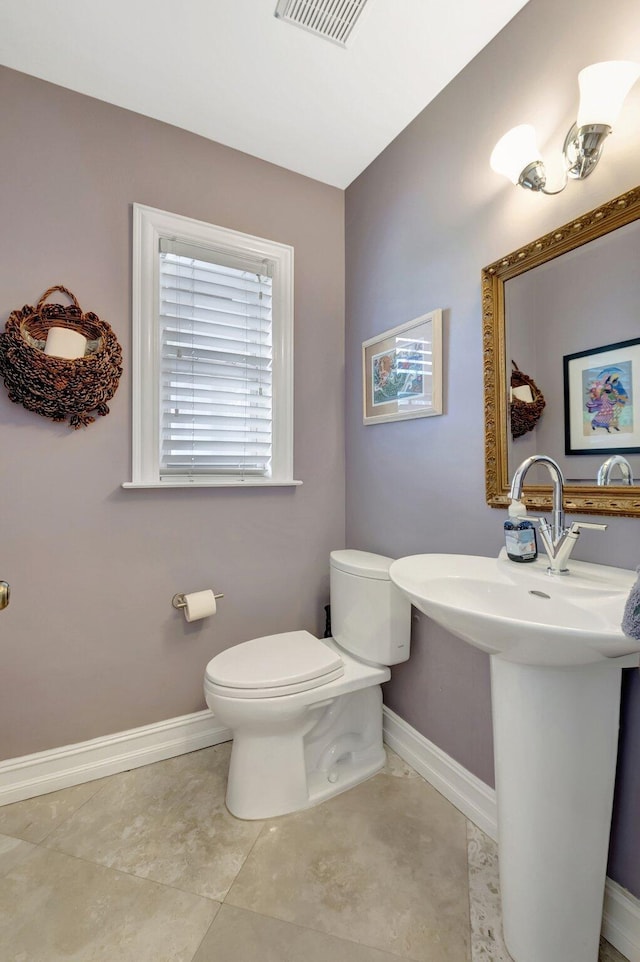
(587, 499)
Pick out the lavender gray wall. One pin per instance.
(421, 222)
(90, 643)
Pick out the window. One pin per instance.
(212, 355)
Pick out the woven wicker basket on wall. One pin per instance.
(525, 414)
(57, 388)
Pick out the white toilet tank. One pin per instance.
(370, 617)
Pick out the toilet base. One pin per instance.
(347, 775)
(336, 745)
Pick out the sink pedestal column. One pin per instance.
(556, 738)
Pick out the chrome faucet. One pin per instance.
(606, 469)
(558, 540)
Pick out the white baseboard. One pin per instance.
(621, 920)
(48, 771)
(470, 795)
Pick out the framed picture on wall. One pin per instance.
(602, 399)
(402, 371)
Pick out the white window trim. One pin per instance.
(149, 225)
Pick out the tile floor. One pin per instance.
(148, 866)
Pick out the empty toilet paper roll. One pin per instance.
(199, 604)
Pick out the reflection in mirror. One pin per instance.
(585, 300)
(607, 471)
(565, 310)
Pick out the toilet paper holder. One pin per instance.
(178, 600)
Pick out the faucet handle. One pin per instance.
(577, 525)
(542, 522)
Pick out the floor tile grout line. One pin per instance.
(91, 797)
(64, 820)
(109, 868)
(205, 934)
(265, 823)
(32, 845)
(329, 935)
(466, 832)
(121, 871)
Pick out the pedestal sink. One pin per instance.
(556, 657)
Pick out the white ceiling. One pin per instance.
(230, 71)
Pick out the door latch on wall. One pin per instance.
(5, 594)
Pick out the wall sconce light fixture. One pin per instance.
(603, 88)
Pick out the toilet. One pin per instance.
(306, 714)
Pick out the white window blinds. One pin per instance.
(216, 362)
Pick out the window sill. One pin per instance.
(211, 484)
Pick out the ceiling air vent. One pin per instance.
(332, 19)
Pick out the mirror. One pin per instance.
(566, 309)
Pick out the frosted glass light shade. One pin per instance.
(514, 152)
(603, 88)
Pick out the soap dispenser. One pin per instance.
(520, 534)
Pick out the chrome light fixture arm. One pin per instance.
(583, 148)
(534, 177)
(603, 88)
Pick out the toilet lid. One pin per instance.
(293, 660)
(364, 564)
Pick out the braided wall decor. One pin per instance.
(525, 414)
(55, 387)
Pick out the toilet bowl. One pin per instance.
(305, 713)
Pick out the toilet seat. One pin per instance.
(274, 665)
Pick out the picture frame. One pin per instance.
(602, 399)
(402, 371)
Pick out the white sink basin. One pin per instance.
(518, 611)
